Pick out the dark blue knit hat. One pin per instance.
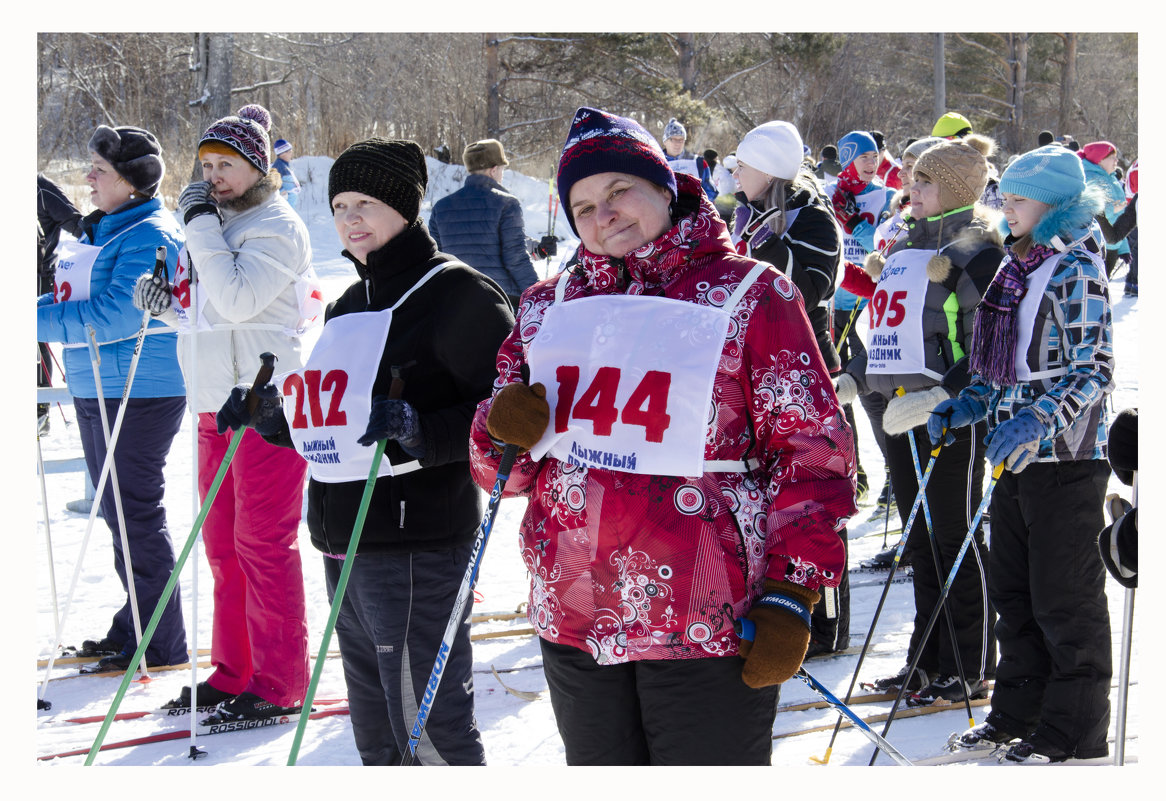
(601, 142)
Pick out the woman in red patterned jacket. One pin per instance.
(685, 459)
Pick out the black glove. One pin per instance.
(268, 419)
(394, 419)
(195, 200)
(547, 246)
(1123, 446)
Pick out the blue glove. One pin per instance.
(394, 419)
(268, 419)
(1015, 441)
(195, 200)
(949, 414)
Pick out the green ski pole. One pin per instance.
(261, 378)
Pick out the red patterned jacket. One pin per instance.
(629, 566)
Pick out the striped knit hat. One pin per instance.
(391, 170)
(244, 134)
(601, 142)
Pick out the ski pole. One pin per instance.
(996, 473)
(883, 598)
(261, 378)
(1123, 684)
(395, 390)
(746, 629)
(935, 557)
(110, 462)
(341, 586)
(44, 501)
(879, 741)
(509, 453)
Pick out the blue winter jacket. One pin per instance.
(128, 251)
(481, 224)
(1073, 340)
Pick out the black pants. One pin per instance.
(139, 458)
(954, 492)
(658, 711)
(390, 626)
(1048, 587)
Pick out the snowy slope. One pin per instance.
(516, 731)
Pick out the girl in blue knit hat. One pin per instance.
(1042, 364)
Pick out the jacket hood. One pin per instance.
(697, 230)
(1068, 220)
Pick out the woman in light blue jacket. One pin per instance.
(92, 293)
(1042, 364)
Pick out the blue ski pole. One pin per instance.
(996, 473)
(509, 454)
(746, 629)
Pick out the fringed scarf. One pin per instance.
(845, 191)
(994, 331)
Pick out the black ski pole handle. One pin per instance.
(160, 268)
(266, 371)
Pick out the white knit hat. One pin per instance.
(775, 148)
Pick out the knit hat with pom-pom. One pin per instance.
(244, 134)
(960, 168)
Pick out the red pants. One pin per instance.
(259, 640)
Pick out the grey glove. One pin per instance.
(911, 410)
(195, 200)
(152, 294)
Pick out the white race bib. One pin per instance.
(327, 403)
(894, 340)
(74, 270)
(629, 380)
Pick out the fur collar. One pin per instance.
(260, 192)
(1066, 220)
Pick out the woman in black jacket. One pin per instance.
(785, 219)
(406, 354)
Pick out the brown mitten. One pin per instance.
(519, 415)
(781, 633)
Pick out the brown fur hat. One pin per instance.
(483, 155)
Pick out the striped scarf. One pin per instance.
(994, 332)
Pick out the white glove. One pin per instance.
(905, 412)
(151, 294)
(846, 388)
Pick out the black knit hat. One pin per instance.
(134, 153)
(391, 170)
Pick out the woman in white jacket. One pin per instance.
(253, 286)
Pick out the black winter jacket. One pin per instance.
(809, 253)
(445, 339)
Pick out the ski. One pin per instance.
(176, 712)
(202, 731)
(909, 712)
(861, 698)
(525, 695)
(69, 657)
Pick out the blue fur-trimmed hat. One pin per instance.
(1051, 174)
(855, 144)
(601, 142)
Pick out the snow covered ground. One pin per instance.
(516, 731)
